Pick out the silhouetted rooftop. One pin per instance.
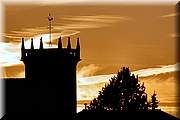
(139, 115)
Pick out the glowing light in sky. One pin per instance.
(104, 78)
(89, 87)
(98, 81)
(10, 52)
(88, 84)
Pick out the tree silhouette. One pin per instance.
(124, 92)
(154, 101)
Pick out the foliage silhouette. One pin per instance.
(123, 93)
(154, 101)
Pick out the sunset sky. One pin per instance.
(140, 36)
(111, 36)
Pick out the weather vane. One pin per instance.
(50, 19)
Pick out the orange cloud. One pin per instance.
(169, 15)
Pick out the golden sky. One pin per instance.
(111, 36)
(141, 37)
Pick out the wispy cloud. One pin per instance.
(141, 73)
(97, 18)
(169, 15)
(89, 87)
(173, 35)
(155, 71)
(69, 23)
(88, 70)
(8, 55)
(10, 52)
(93, 21)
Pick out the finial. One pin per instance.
(59, 43)
(78, 44)
(50, 19)
(78, 48)
(22, 45)
(41, 44)
(22, 50)
(32, 46)
(69, 43)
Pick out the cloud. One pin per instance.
(72, 23)
(155, 71)
(89, 87)
(88, 70)
(141, 73)
(69, 25)
(92, 21)
(173, 35)
(10, 52)
(15, 35)
(97, 18)
(169, 15)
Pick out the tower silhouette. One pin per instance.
(50, 80)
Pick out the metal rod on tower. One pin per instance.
(50, 19)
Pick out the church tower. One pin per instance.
(52, 71)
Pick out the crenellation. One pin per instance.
(32, 45)
(50, 81)
(59, 43)
(59, 51)
(69, 44)
(41, 44)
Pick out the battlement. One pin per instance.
(44, 53)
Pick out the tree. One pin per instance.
(154, 101)
(124, 92)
